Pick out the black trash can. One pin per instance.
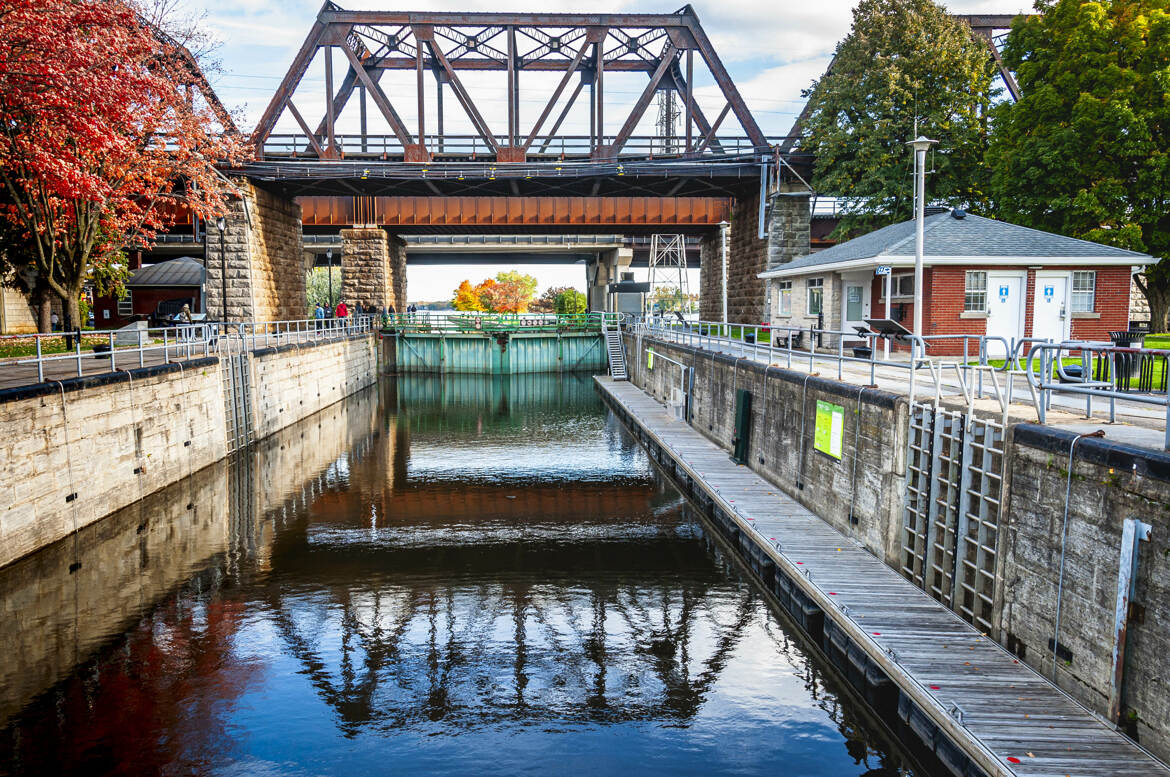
(102, 350)
(1126, 365)
(862, 352)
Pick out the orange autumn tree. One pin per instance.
(509, 292)
(466, 298)
(105, 140)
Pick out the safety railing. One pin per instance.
(429, 322)
(103, 351)
(35, 358)
(251, 335)
(1101, 371)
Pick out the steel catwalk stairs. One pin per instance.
(617, 354)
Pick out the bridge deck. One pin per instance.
(1014, 721)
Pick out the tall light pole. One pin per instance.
(329, 257)
(221, 225)
(723, 225)
(920, 145)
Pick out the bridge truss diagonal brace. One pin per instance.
(288, 84)
(425, 34)
(379, 98)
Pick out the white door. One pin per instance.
(855, 303)
(1005, 311)
(1050, 306)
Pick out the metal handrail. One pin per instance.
(470, 322)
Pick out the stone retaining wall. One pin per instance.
(76, 451)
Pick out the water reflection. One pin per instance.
(452, 576)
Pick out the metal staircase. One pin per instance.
(613, 345)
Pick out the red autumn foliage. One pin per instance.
(104, 139)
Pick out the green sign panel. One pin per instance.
(649, 358)
(830, 429)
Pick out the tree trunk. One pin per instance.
(1159, 306)
(42, 305)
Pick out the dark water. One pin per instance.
(434, 577)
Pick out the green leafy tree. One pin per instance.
(570, 302)
(1086, 150)
(317, 288)
(901, 59)
(525, 283)
(547, 302)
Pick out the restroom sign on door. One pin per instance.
(1003, 293)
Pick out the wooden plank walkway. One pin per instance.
(1013, 721)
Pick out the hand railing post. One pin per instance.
(40, 360)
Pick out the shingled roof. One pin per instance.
(184, 271)
(954, 237)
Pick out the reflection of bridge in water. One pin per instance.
(414, 604)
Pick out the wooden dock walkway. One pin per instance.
(952, 683)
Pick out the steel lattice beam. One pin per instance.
(585, 46)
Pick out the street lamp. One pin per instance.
(920, 145)
(329, 257)
(221, 225)
(723, 225)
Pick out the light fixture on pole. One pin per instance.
(920, 144)
(723, 225)
(221, 225)
(329, 258)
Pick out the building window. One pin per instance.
(976, 291)
(1084, 291)
(902, 286)
(785, 303)
(816, 296)
(126, 305)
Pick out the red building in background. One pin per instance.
(154, 291)
(980, 276)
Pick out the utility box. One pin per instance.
(743, 426)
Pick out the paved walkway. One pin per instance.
(1013, 720)
(1136, 423)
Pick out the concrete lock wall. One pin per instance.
(51, 621)
(860, 494)
(1110, 482)
(293, 381)
(261, 253)
(74, 452)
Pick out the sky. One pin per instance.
(772, 49)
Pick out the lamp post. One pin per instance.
(221, 225)
(723, 225)
(920, 144)
(329, 257)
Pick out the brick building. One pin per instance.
(980, 276)
(169, 284)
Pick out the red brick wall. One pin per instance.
(944, 289)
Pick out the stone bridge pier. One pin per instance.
(373, 268)
(261, 255)
(786, 231)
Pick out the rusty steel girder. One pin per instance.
(516, 213)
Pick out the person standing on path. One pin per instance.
(342, 310)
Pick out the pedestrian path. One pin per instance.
(955, 687)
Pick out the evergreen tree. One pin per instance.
(1086, 150)
(901, 59)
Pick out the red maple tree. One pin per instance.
(105, 141)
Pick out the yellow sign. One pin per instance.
(830, 429)
(649, 358)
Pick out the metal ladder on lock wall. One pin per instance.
(237, 398)
(615, 349)
(950, 527)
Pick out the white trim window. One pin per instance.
(816, 296)
(1084, 291)
(784, 298)
(901, 286)
(126, 304)
(975, 291)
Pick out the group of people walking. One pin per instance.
(342, 311)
